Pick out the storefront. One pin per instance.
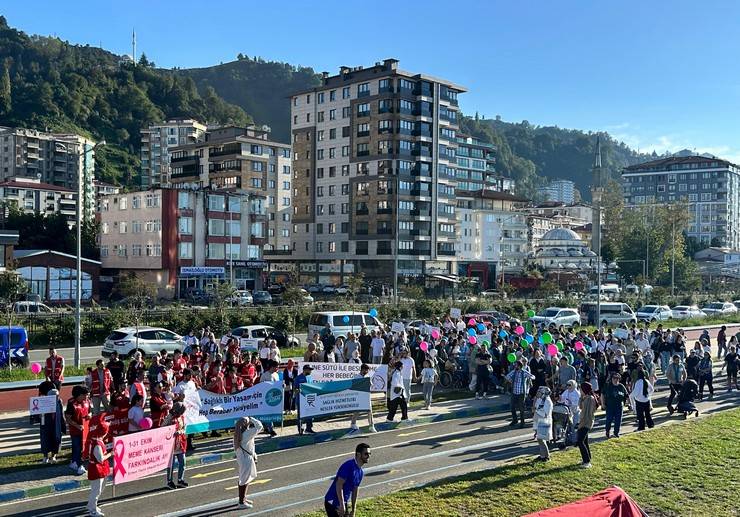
(52, 275)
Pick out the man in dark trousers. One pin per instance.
(346, 484)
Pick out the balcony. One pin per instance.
(362, 211)
(385, 89)
(363, 113)
(385, 231)
(385, 211)
(385, 109)
(424, 90)
(363, 133)
(363, 93)
(258, 241)
(418, 112)
(187, 158)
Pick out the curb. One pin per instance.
(274, 445)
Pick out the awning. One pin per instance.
(445, 278)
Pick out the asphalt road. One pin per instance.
(296, 480)
(88, 354)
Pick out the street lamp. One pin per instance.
(78, 223)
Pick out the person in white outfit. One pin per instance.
(570, 397)
(542, 421)
(246, 457)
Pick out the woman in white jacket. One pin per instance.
(542, 421)
(246, 457)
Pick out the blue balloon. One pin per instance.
(529, 338)
(541, 340)
(345, 319)
(374, 313)
(502, 333)
(471, 332)
(481, 328)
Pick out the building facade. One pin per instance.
(563, 191)
(476, 166)
(708, 186)
(57, 159)
(32, 196)
(374, 175)
(157, 142)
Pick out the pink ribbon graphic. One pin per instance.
(118, 451)
(35, 405)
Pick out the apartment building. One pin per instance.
(31, 196)
(374, 175)
(563, 191)
(157, 142)
(476, 166)
(243, 161)
(493, 237)
(708, 186)
(181, 239)
(57, 159)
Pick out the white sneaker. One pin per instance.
(245, 506)
(477, 397)
(352, 431)
(81, 471)
(372, 429)
(53, 460)
(44, 460)
(586, 466)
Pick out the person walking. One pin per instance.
(346, 484)
(353, 429)
(542, 421)
(408, 372)
(429, 377)
(483, 373)
(397, 394)
(641, 396)
(99, 468)
(377, 346)
(76, 414)
(176, 417)
(246, 457)
(51, 430)
(520, 381)
(721, 347)
(705, 375)
(588, 405)
(676, 374)
(613, 398)
(731, 363)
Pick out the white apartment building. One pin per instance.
(559, 190)
(157, 142)
(32, 196)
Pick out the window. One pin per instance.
(122, 227)
(361, 189)
(183, 200)
(361, 208)
(319, 228)
(104, 250)
(346, 112)
(332, 191)
(345, 170)
(405, 106)
(320, 135)
(345, 208)
(153, 250)
(320, 98)
(120, 250)
(345, 150)
(216, 251)
(122, 203)
(382, 187)
(363, 89)
(361, 247)
(319, 247)
(136, 202)
(319, 154)
(320, 191)
(105, 228)
(361, 228)
(386, 126)
(257, 182)
(332, 152)
(661, 188)
(153, 225)
(332, 172)
(286, 169)
(332, 114)
(258, 166)
(319, 209)
(345, 190)
(152, 200)
(363, 150)
(308, 117)
(320, 116)
(136, 250)
(405, 245)
(308, 99)
(363, 129)
(332, 133)
(332, 95)
(135, 226)
(363, 110)
(186, 250)
(320, 172)
(216, 203)
(345, 92)
(384, 207)
(216, 227)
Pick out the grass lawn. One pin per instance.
(686, 469)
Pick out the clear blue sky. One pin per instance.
(660, 75)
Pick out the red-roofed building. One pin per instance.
(31, 195)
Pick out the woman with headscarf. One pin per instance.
(571, 398)
(246, 457)
(52, 428)
(642, 392)
(587, 405)
(98, 468)
(542, 421)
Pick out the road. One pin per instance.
(295, 481)
(88, 354)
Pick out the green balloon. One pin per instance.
(486, 343)
(511, 357)
(559, 345)
(547, 338)
(530, 313)
(524, 344)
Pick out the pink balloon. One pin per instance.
(579, 345)
(471, 322)
(519, 330)
(473, 340)
(552, 350)
(435, 334)
(146, 423)
(424, 346)
(36, 368)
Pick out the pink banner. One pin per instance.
(141, 454)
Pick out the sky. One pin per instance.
(658, 75)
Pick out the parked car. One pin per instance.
(315, 288)
(198, 297)
(652, 313)
(251, 335)
(148, 340)
(719, 308)
(737, 303)
(328, 289)
(682, 312)
(493, 293)
(342, 289)
(307, 298)
(31, 308)
(611, 313)
(341, 327)
(275, 288)
(262, 298)
(241, 297)
(14, 346)
(366, 298)
(556, 316)
(494, 316)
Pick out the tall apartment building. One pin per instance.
(157, 142)
(374, 174)
(243, 161)
(708, 186)
(563, 191)
(183, 239)
(31, 196)
(476, 166)
(57, 159)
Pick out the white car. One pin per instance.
(250, 337)
(31, 308)
(148, 340)
(682, 312)
(342, 289)
(241, 297)
(719, 308)
(328, 289)
(490, 293)
(557, 316)
(654, 313)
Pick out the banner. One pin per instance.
(206, 411)
(328, 372)
(141, 454)
(397, 327)
(42, 405)
(455, 313)
(621, 333)
(330, 398)
(118, 421)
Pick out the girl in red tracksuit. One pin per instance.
(98, 468)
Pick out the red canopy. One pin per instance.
(612, 502)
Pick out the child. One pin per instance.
(429, 378)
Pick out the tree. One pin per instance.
(5, 90)
(137, 297)
(222, 295)
(12, 289)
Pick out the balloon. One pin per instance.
(511, 357)
(471, 332)
(471, 322)
(547, 338)
(552, 350)
(345, 319)
(486, 343)
(435, 334)
(481, 328)
(541, 340)
(529, 338)
(530, 313)
(473, 340)
(528, 326)
(524, 344)
(145, 423)
(373, 313)
(559, 346)
(519, 330)
(36, 368)
(502, 334)
(579, 345)
(424, 346)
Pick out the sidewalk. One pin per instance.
(58, 478)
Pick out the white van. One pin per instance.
(612, 313)
(341, 322)
(31, 308)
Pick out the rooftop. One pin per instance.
(33, 185)
(679, 163)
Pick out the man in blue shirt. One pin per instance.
(303, 377)
(347, 483)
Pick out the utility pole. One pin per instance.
(673, 258)
(398, 226)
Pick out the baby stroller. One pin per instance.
(562, 426)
